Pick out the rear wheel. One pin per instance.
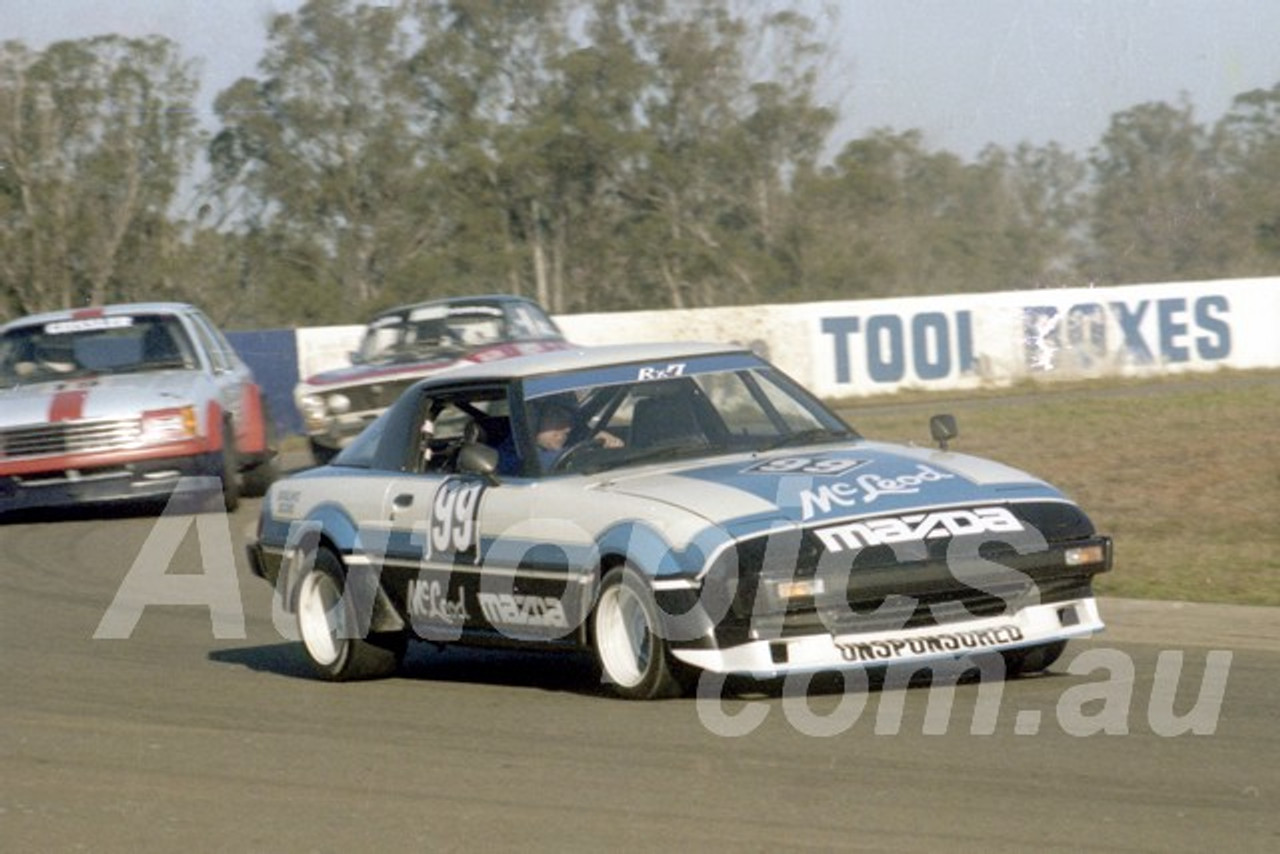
(328, 625)
(634, 657)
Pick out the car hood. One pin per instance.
(361, 374)
(429, 364)
(811, 485)
(102, 396)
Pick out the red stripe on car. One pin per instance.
(68, 405)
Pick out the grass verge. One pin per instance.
(1183, 472)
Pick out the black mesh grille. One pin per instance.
(911, 584)
(66, 437)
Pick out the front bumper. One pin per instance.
(334, 429)
(812, 653)
(337, 433)
(139, 480)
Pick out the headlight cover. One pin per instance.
(170, 425)
(338, 404)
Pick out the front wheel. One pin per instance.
(328, 624)
(634, 656)
(1030, 659)
(230, 469)
(256, 480)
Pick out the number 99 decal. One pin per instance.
(455, 515)
(806, 465)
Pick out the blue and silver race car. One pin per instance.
(674, 509)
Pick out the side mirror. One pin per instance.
(474, 458)
(943, 429)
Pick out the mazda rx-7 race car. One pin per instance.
(403, 345)
(675, 509)
(123, 403)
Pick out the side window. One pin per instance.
(220, 351)
(453, 418)
(743, 411)
(527, 322)
(363, 450)
(217, 360)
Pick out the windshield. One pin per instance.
(66, 349)
(435, 330)
(705, 411)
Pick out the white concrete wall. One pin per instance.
(970, 340)
(861, 347)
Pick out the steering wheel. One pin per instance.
(574, 451)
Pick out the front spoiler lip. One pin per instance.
(144, 481)
(817, 652)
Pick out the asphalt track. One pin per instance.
(194, 734)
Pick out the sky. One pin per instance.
(966, 73)
(972, 72)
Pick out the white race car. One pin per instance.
(126, 402)
(405, 344)
(675, 509)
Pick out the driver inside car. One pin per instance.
(554, 421)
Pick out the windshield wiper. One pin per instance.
(142, 367)
(812, 436)
(425, 352)
(616, 458)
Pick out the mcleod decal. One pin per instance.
(866, 489)
(427, 599)
(874, 485)
(917, 527)
(513, 609)
(941, 643)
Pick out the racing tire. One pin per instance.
(256, 480)
(229, 469)
(326, 624)
(627, 637)
(1032, 659)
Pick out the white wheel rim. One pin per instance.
(320, 618)
(622, 636)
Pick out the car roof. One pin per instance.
(479, 299)
(583, 358)
(100, 311)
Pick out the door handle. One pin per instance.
(403, 501)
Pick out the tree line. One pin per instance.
(598, 155)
